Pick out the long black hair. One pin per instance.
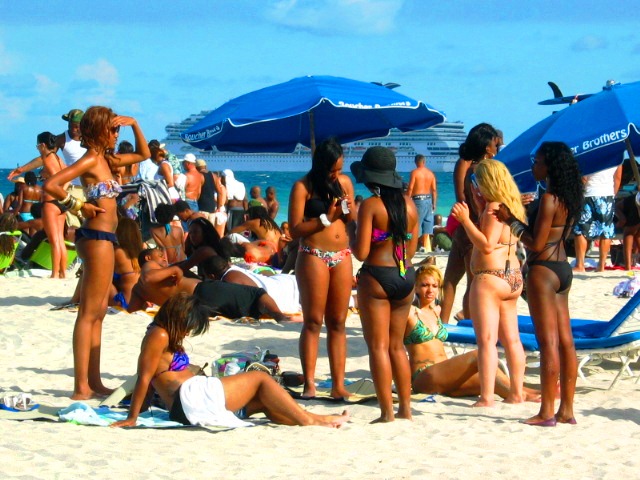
(565, 179)
(260, 213)
(478, 139)
(210, 236)
(325, 157)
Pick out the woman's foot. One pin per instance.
(511, 398)
(538, 421)
(566, 418)
(484, 403)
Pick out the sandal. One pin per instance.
(22, 402)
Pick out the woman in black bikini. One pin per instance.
(95, 240)
(53, 214)
(386, 240)
(549, 276)
(323, 265)
(497, 279)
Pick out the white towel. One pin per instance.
(281, 287)
(203, 403)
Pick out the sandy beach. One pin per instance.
(447, 439)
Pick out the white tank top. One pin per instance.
(600, 184)
(72, 152)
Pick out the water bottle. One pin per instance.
(231, 368)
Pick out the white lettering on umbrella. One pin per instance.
(202, 135)
(601, 141)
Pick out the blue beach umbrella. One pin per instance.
(598, 130)
(276, 119)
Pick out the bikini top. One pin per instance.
(400, 252)
(314, 207)
(106, 189)
(179, 362)
(422, 334)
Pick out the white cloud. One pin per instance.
(102, 72)
(6, 60)
(368, 17)
(45, 86)
(589, 43)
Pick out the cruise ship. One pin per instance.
(438, 143)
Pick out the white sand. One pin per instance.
(447, 439)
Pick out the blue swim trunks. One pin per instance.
(596, 218)
(424, 204)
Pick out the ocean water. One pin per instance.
(283, 181)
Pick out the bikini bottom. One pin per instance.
(91, 234)
(561, 268)
(330, 259)
(395, 286)
(57, 203)
(512, 276)
(26, 216)
(420, 370)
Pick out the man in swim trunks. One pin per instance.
(596, 220)
(159, 281)
(422, 189)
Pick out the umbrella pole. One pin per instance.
(312, 133)
(634, 165)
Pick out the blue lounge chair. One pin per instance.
(595, 340)
(622, 322)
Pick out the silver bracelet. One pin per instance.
(517, 228)
(324, 220)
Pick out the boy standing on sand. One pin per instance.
(422, 189)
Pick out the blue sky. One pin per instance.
(161, 61)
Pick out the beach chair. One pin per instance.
(595, 340)
(42, 254)
(7, 260)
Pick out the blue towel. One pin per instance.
(82, 414)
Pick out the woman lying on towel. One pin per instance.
(431, 370)
(192, 399)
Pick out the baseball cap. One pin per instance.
(190, 158)
(74, 115)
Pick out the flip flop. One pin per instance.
(22, 402)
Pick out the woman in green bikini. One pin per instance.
(431, 370)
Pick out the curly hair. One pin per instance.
(180, 316)
(564, 178)
(497, 185)
(95, 128)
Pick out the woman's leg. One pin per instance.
(50, 223)
(260, 393)
(63, 247)
(98, 260)
(485, 313)
(375, 314)
(335, 317)
(312, 276)
(568, 360)
(398, 355)
(510, 339)
(542, 284)
(452, 275)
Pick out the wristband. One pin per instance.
(324, 220)
(517, 228)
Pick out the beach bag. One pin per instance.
(255, 359)
(627, 288)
